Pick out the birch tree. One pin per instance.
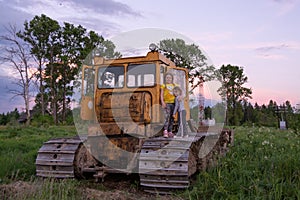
(16, 55)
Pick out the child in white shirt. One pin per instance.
(179, 106)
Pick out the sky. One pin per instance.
(262, 36)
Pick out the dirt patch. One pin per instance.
(109, 190)
(16, 190)
(119, 195)
(122, 187)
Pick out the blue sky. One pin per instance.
(263, 36)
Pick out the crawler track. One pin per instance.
(56, 158)
(165, 164)
(168, 164)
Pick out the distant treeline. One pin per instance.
(36, 119)
(246, 115)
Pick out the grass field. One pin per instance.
(264, 163)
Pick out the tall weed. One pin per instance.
(263, 164)
(19, 146)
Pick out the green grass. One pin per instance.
(43, 189)
(19, 147)
(264, 163)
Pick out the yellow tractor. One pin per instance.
(120, 105)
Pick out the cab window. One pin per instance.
(88, 82)
(141, 75)
(111, 77)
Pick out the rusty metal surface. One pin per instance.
(116, 151)
(164, 164)
(56, 158)
(125, 106)
(167, 164)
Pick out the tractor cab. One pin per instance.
(123, 95)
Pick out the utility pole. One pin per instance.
(298, 108)
(201, 102)
(281, 113)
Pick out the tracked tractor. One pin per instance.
(122, 119)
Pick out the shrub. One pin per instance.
(44, 121)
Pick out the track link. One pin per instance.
(166, 164)
(56, 158)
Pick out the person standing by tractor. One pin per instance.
(168, 102)
(179, 107)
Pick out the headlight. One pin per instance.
(153, 47)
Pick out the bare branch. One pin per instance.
(16, 54)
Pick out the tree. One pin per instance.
(39, 33)
(76, 45)
(294, 123)
(13, 116)
(60, 51)
(289, 113)
(17, 54)
(218, 112)
(189, 57)
(232, 90)
(3, 119)
(247, 113)
(208, 112)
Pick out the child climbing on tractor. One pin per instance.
(179, 107)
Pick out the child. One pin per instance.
(179, 106)
(168, 102)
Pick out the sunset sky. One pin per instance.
(262, 36)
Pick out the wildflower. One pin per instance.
(265, 142)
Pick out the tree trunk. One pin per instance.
(41, 88)
(64, 95)
(53, 96)
(27, 109)
(52, 88)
